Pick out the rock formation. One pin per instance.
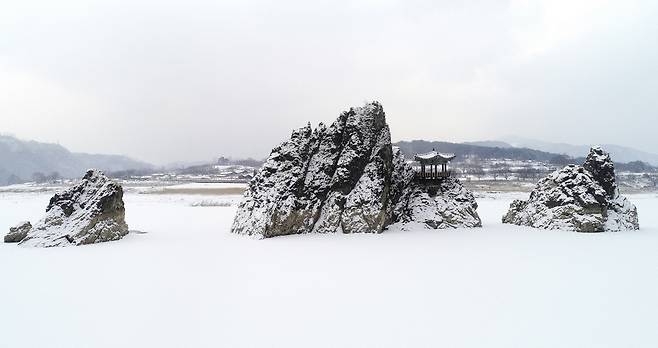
(444, 205)
(430, 204)
(342, 178)
(90, 212)
(578, 198)
(17, 233)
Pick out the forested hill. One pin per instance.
(22, 161)
(462, 151)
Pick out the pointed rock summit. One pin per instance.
(90, 212)
(342, 178)
(599, 164)
(578, 198)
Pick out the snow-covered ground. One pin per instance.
(187, 282)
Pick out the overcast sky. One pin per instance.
(167, 81)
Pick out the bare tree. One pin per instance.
(53, 176)
(39, 177)
(477, 170)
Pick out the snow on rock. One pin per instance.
(578, 198)
(342, 178)
(17, 233)
(430, 205)
(90, 212)
(447, 204)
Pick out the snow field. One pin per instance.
(188, 282)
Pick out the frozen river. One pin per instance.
(187, 282)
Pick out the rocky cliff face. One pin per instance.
(341, 178)
(578, 198)
(90, 212)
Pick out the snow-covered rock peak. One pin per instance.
(340, 178)
(579, 198)
(600, 165)
(92, 211)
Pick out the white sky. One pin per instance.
(166, 81)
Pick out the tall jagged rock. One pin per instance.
(335, 178)
(90, 212)
(341, 178)
(578, 198)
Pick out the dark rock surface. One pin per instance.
(341, 178)
(578, 198)
(600, 165)
(17, 233)
(90, 212)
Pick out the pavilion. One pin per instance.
(431, 161)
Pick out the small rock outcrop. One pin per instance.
(342, 178)
(18, 233)
(577, 198)
(444, 205)
(90, 212)
(428, 204)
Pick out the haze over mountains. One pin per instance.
(22, 161)
(464, 150)
(618, 153)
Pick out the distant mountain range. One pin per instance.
(491, 143)
(619, 153)
(484, 151)
(517, 148)
(22, 161)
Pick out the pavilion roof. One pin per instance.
(434, 157)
